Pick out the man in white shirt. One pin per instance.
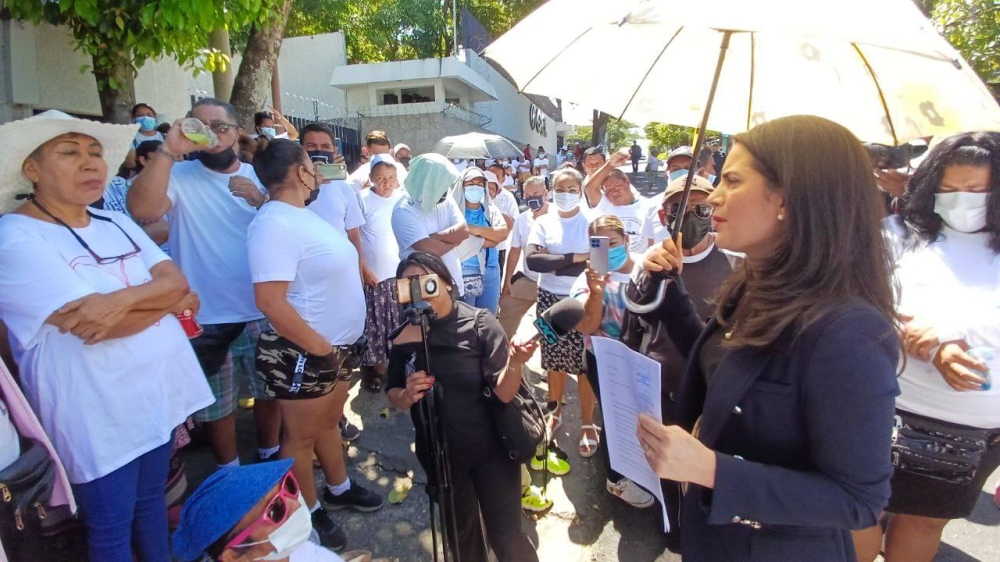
(427, 219)
(211, 201)
(376, 142)
(541, 165)
(506, 202)
(608, 192)
(520, 284)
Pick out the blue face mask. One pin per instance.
(268, 132)
(474, 193)
(678, 174)
(146, 123)
(617, 257)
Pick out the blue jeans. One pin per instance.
(128, 508)
(490, 299)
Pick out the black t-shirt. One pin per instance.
(468, 350)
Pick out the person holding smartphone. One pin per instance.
(306, 282)
(468, 350)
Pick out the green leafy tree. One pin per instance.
(972, 27)
(620, 134)
(665, 137)
(121, 35)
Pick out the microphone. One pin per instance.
(559, 320)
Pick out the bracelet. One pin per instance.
(162, 149)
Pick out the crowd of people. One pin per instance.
(825, 360)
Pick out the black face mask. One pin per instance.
(405, 161)
(313, 195)
(534, 203)
(219, 161)
(694, 229)
(322, 156)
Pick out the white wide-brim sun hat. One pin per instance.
(18, 139)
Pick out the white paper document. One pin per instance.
(630, 385)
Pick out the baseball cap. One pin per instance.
(698, 183)
(680, 151)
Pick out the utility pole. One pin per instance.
(454, 28)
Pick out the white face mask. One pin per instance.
(292, 534)
(567, 201)
(962, 211)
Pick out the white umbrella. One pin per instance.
(875, 66)
(476, 145)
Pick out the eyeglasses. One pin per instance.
(669, 214)
(135, 247)
(275, 513)
(221, 127)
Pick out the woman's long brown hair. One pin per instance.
(830, 245)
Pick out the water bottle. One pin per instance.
(986, 356)
(199, 133)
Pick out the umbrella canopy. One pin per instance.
(875, 66)
(476, 145)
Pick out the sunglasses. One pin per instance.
(221, 127)
(275, 513)
(669, 215)
(93, 254)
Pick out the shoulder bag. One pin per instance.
(938, 450)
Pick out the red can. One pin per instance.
(191, 326)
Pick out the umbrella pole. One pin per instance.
(700, 140)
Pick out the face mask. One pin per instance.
(313, 193)
(405, 161)
(534, 203)
(219, 161)
(146, 123)
(567, 201)
(268, 132)
(292, 534)
(962, 211)
(474, 194)
(322, 156)
(694, 229)
(617, 257)
(678, 174)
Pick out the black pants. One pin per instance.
(491, 488)
(635, 166)
(502, 257)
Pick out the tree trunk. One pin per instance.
(276, 88)
(253, 81)
(116, 91)
(222, 81)
(600, 130)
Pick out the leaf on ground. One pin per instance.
(386, 412)
(399, 492)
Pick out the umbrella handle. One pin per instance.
(661, 292)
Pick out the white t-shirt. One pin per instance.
(632, 216)
(102, 405)
(338, 205)
(412, 224)
(312, 552)
(287, 243)
(652, 228)
(560, 235)
(10, 444)
(519, 239)
(952, 285)
(542, 164)
(378, 242)
(524, 166)
(508, 181)
(141, 138)
(208, 240)
(507, 203)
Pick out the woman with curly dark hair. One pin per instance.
(946, 241)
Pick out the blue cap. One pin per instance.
(219, 504)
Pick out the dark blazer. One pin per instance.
(802, 433)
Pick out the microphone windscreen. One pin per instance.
(559, 320)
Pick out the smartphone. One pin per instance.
(418, 288)
(340, 146)
(332, 171)
(599, 254)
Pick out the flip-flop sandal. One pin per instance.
(588, 446)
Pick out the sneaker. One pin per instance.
(266, 458)
(533, 499)
(556, 465)
(331, 535)
(348, 431)
(630, 493)
(357, 498)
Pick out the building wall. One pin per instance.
(419, 132)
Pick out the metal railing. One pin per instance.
(403, 109)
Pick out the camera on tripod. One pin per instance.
(417, 288)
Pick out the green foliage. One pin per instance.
(127, 33)
(582, 136)
(972, 27)
(497, 16)
(620, 134)
(665, 137)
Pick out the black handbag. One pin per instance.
(937, 450)
(519, 423)
(25, 490)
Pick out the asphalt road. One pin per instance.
(585, 524)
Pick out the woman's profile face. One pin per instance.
(746, 208)
(965, 178)
(69, 168)
(260, 533)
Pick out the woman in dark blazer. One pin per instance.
(783, 445)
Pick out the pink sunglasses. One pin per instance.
(276, 511)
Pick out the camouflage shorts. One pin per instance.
(289, 373)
